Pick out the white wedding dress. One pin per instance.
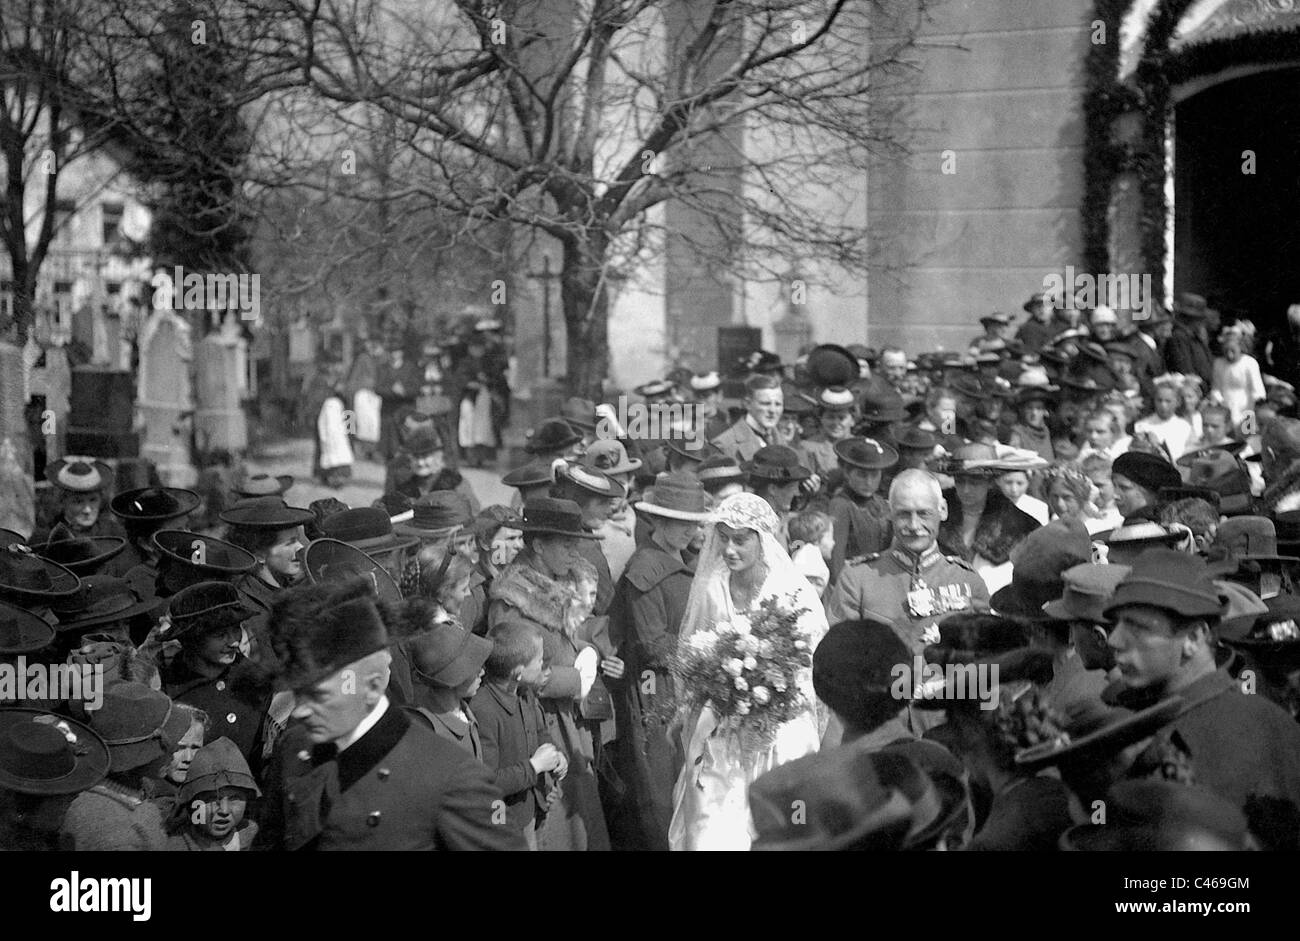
(710, 799)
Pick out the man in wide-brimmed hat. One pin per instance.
(859, 514)
(647, 612)
(1244, 747)
(210, 672)
(144, 512)
(84, 485)
(554, 438)
(354, 771)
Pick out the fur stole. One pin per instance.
(538, 597)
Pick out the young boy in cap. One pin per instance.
(447, 669)
(517, 749)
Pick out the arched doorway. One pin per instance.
(1237, 232)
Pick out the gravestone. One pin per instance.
(219, 422)
(164, 394)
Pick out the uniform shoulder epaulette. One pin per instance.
(958, 560)
(860, 559)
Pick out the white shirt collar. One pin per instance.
(365, 725)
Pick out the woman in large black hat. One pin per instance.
(776, 473)
(143, 512)
(426, 454)
(45, 761)
(596, 494)
(106, 606)
(84, 555)
(141, 728)
(540, 587)
(271, 530)
(860, 515)
(644, 619)
(210, 672)
(83, 485)
(27, 581)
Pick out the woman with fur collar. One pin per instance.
(540, 586)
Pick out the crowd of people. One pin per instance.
(1098, 513)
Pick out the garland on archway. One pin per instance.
(1149, 95)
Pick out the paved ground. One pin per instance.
(293, 456)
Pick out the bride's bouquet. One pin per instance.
(747, 670)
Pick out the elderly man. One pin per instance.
(1244, 747)
(764, 402)
(353, 772)
(912, 585)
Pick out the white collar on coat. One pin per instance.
(365, 725)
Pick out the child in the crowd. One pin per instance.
(812, 544)
(1105, 436)
(597, 704)
(1015, 487)
(1165, 425)
(1216, 427)
(1107, 515)
(517, 748)
(212, 803)
(1198, 517)
(1237, 379)
(447, 664)
(163, 791)
(1031, 432)
(1193, 392)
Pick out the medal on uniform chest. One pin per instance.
(920, 601)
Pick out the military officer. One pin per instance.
(859, 513)
(912, 585)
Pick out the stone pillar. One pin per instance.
(164, 393)
(17, 488)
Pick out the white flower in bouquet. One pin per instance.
(765, 648)
(724, 627)
(741, 625)
(780, 684)
(801, 645)
(735, 666)
(751, 663)
(742, 708)
(761, 695)
(703, 641)
(748, 644)
(741, 684)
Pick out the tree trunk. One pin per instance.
(585, 299)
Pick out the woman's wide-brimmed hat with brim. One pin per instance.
(153, 505)
(139, 725)
(551, 516)
(22, 632)
(186, 559)
(263, 485)
(436, 515)
(80, 475)
(329, 560)
(267, 513)
(597, 483)
(84, 555)
(554, 434)
(1145, 815)
(1271, 637)
(26, 578)
(367, 528)
(610, 457)
(776, 463)
(46, 754)
(532, 474)
(971, 460)
(101, 600)
(1106, 734)
(676, 496)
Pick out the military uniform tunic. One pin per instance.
(912, 594)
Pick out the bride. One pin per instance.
(740, 565)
